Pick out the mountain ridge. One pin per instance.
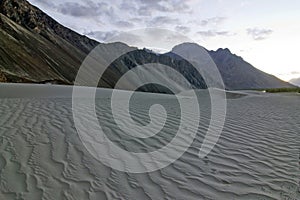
(295, 81)
(31, 17)
(239, 74)
(36, 48)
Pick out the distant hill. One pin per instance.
(35, 48)
(295, 81)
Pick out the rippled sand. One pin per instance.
(42, 157)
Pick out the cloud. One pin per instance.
(183, 29)
(213, 33)
(162, 20)
(108, 19)
(145, 11)
(139, 13)
(295, 72)
(130, 38)
(90, 9)
(102, 35)
(124, 24)
(245, 3)
(214, 21)
(129, 6)
(45, 3)
(150, 6)
(292, 73)
(259, 33)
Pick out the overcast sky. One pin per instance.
(264, 32)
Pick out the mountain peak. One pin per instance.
(225, 50)
(187, 45)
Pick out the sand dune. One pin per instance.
(42, 157)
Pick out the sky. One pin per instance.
(266, 33)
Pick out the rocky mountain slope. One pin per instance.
(239, 74)
(295, 81)
(35, 48)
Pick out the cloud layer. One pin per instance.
(106, 19)
(259, 33)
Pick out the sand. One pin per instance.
(42, 157)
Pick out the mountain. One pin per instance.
(235, 72)
(295, 81)
(239, 74)
(35, 48)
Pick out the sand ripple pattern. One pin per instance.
(257, 156)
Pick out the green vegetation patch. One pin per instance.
(278, 90)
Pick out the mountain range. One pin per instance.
(295, 81)
(34, 48)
